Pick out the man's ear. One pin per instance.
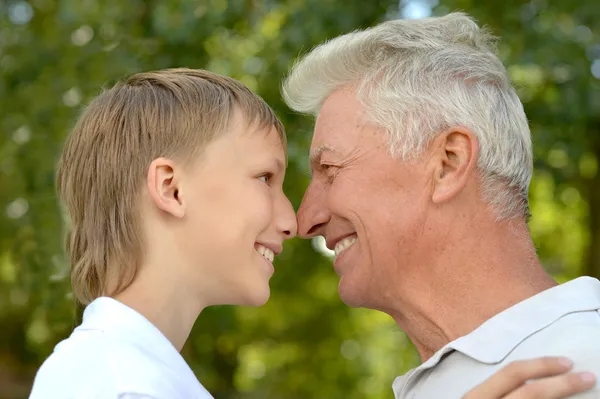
(456, 151)
(164, 187)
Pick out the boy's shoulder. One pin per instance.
(91, 364)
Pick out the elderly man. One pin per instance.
(421, 160)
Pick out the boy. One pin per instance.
(173, 184)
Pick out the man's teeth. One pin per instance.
(344, 244)
(266, 252)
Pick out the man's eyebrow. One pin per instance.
(315, 154)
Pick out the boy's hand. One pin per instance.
(550, 376)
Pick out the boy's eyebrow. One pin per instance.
(280, 165)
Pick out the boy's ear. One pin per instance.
(163, 183)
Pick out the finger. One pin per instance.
(557, 387)
(515, 374)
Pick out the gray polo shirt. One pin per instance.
(561, 321)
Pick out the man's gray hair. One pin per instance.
(418, 77)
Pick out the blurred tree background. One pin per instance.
(57, 54)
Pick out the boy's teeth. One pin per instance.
(266, 252)
(344, 244)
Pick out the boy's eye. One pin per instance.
(266, 177)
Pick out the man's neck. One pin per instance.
(473, 282)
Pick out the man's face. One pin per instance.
(370, 207)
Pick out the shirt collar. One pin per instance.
(118, 320)
(493, 341)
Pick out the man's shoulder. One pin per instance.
(576, 336)
(574, 332)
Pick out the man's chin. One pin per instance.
(350, 294)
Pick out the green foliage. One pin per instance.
(57, 54)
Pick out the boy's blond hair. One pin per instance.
(171, 113)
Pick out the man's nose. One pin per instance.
(313, 213)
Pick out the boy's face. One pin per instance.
(236, 216)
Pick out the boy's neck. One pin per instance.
(166, 304)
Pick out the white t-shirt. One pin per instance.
(116, 353)
(561, 321)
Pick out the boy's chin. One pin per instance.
(255, 296)
(245, 294)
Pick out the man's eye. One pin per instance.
(328, 168)
(329, 171)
